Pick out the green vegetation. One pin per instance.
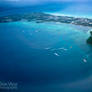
(89, 40)
(42, 17)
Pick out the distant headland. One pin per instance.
(43, 17)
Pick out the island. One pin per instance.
(44, 17)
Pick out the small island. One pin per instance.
(89, 40)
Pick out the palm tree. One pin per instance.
(91, 33)
(89, 40)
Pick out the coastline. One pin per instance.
(41, 17)
(69, 15)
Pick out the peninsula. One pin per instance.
(43, 17)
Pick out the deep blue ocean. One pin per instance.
(45, 57)
(65, 8)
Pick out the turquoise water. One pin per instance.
(46, 57)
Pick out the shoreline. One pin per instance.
(41, 17)
(69, 15)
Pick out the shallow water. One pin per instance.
(46, 57)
